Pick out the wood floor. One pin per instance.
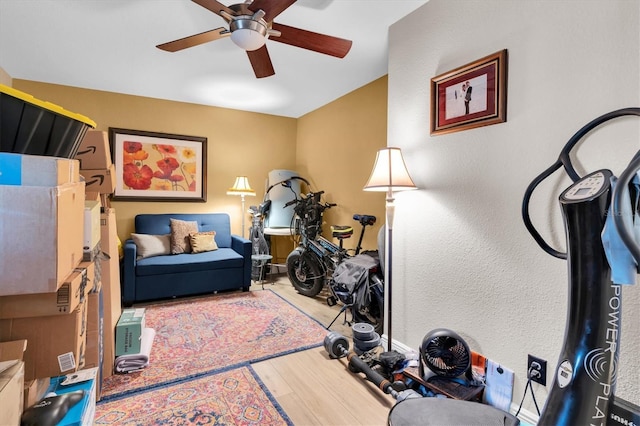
(312, 388)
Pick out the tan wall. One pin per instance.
(5, 78)
(336, 149)
(239, 143)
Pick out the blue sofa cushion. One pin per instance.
(223, 258)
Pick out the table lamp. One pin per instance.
(241, 187)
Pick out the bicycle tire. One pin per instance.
(301, 265)
(373, 312)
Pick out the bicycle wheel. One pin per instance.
(305, 273)
(373, 312)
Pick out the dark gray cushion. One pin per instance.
(444, 411)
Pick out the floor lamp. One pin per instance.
(389, 174)
(241, 187)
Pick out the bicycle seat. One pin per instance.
(341, 232)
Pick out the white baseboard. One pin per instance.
(525, 416)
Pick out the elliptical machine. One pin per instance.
(596, 222)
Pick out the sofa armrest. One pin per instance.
(129, 261)
(242, 246)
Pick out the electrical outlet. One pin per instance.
(537, 368)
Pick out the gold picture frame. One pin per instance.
(470, 96)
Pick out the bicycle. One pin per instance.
(260, 247)
(354, 280)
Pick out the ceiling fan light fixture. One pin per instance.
(248, 34)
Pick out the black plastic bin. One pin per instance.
(31, 126)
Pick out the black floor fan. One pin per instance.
(445, 354)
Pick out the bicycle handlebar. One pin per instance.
(284, 182)
(365, 219)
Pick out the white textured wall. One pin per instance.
(462, 256)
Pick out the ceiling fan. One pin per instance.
(251, 24)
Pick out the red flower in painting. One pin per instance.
(131, 147)
(167, 166)
(166, 149)
(167, 176)
(137, 177)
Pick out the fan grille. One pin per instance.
(446, 356)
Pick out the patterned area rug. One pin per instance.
(199, 336)
(232, 397)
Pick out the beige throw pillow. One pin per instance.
(203, 241)
(180, 230)
(151, 245)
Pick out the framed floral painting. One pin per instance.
(154, 166)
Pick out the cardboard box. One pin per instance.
(11, 382)
(56, 343)
(83, 413)
(91, 225)
(129, 331)
(40, 236)
(91, 196)
(34, 391)
(12, 349)
(100, 180)
(93, 277)
(62, 302)
(11, 391)
(94, 151)
(110, 277)
(94, 355)
(37, 170)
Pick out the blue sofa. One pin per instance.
(175, 275)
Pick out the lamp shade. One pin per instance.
(241, 187)
(389, 172)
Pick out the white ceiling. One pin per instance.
(110, 45)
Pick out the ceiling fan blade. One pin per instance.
(272, 8)
(309, 40)
(194, 40)
(214, 6)
(261, 62)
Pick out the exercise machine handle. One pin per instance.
(564, 160)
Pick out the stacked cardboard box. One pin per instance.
(41, 207)
(49, 296)
(110, 286)
(95, 163)
(98, 170)
(11, 381)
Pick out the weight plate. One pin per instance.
(366, 345)
(334, 343)
(363, 331)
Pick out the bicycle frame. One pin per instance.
(311, 265)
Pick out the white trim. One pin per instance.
(525, 416)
